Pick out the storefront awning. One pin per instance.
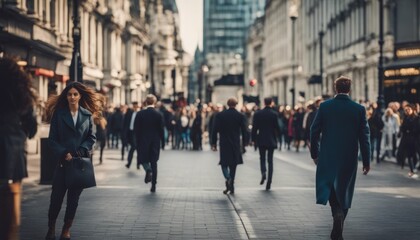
(402, 68)
(315, 79)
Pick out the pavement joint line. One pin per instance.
(239, 215)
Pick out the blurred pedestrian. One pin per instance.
(265, 131)
(230, 125)
(390, 129)
(71, 134)
(130, 117)
(100, 123)
(17, 122)
(343, 126)
(409, 131)
(149, 135)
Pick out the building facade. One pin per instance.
(334, 38)
(118, 45)
(225, 28)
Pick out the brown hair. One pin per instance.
(16, 94)
(90, 100)
(150, 99)
(342, 84)
(232, 102)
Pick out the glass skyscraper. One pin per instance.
(226, 23)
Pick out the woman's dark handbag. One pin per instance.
(79, 173)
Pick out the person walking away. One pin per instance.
(129, 120)
(344, 127)
(149, 137)
(230, 125)
(376, 126)
(116, 126)
(409, 131)
(100, 123)
(390, 129)
(265, 131)
(71, 134)
(17, 122)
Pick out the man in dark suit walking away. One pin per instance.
(149, 134)
(343, 126)
(230, 124)
(129, 118)
(265, 130)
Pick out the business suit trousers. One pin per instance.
(336, 208)
(133, 147)
(266, 153)
(59, 189)
(10, 199)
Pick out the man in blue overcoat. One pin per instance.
(341, 126)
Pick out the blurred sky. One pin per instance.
(191, 21)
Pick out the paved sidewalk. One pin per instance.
(189, 203)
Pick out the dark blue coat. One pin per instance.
(230, 124)
(149, 134)
(265, 128)
(343, 126)
(65, 138)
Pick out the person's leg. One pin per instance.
(101, 151)
(338, 214)
(153, 165)
(263, 167)
(10, 198)
(270, 153)
(73, 196)
(378, 148)
(232, 173)
(394, 144)
(59, 189)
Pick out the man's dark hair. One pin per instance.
(342, 84)
(232, 102)
(268, 101)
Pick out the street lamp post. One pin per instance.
(381, 100)
(321, 73)
(293, 14)
(76, 66)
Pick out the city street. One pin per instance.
(189, 203)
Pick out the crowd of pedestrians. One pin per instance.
(394, 134)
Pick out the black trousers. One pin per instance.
(151, 166)
(336, 208)
(58, 192)
(133, 147)
(266, 154)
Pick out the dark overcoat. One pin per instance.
(14, 129)
(265, 128)
(65, 138)
(230, 124)
(149, 134)
(343, 126)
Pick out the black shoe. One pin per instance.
(138, 166)
(337, 231)
(127, 166)
(263, 179)
(232, 189)
(227, 184)
(268, 186)
(153, 188)
(148, 177)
